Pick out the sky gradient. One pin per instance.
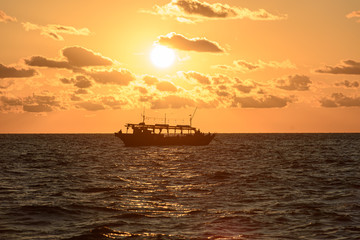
(248, 66)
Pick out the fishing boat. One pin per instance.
(143, 134)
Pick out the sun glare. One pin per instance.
(162, 56)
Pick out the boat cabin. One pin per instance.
(143, 128)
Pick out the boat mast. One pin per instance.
(143, 116)
(192, 116)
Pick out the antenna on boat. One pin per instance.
(192, 116)
(143, 116)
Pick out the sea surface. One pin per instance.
(241, 186)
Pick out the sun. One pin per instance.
(162, 56)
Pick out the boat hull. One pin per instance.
(131, 140)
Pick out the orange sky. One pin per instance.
(248, 66)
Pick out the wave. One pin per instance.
(46, 210)
(105, 233)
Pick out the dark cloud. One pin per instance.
(221, 93)
(122, 77)
(54, 31)
(6, 18)
(221, 79)
(348, 84)
(10, 101)
(244, 64)
(66, 80)
(112, 102)
(150, 80)
(37, 108)
(79, 57)
(76, 57)
(195, 7)
(142, 90)
(201, 78)
(172, 101)
(347, 67)
(42, 99)
(193, 10)
(81, 91)
(180, 42)
(243, 88)
(79, 81)
(34, 103)
(166, 86)
(82, 57)
(265, 102)
(11, 72)
(82, 82)
(75, 98)
(39, 61)
(91, 106)
(340, 100)
(295, 83)
(224, 67)
(40, 103)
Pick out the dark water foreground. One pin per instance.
(241, 186)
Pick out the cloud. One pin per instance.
(91, 106)
(199, 77)
(122, 77)
(82, 82)
(295, 83)
(76, 57)
(11, 72)
(83, 57)
(79, 81)
(35, 103)
(112, 102)
(172, 101)
(39, 61)
(5, 84)
(348, 84)
(243, 88)
(340, 100)
(40, 103)
(166, 86)
(265, 102)
(190, 11)
(354, 14)
(245, 66)
(142, 90)
(37, 108)
(5, 18)
(75, 98)
(81, 91)
(242, 64)
(150, 80)
(79, 57)
(54, 31)
(180, 42)
(10, 101)
(347, 67)
(222, 93)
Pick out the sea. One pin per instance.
(240, 186)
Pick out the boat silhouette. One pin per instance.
(143, 134)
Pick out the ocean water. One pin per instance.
(241, 186)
